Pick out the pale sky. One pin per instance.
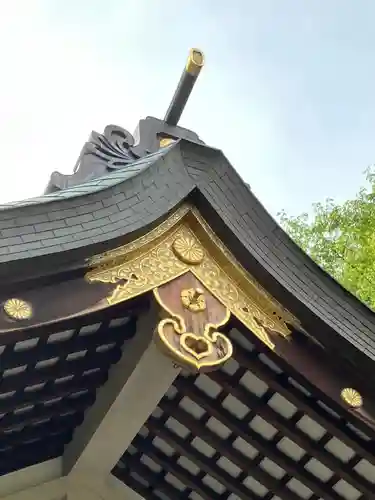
(288, 91)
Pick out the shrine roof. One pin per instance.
(290, 423)
(91, 186)
(37, 363)
(118, 207)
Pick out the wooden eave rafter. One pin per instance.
(49, 378)
(177, 407)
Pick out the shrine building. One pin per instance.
(163, 338)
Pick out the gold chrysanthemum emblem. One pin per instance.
(188, 250)
(351, 397)
(18, 309)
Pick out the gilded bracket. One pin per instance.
(189, 332)
(185, 243)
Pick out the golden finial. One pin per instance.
(195, 62)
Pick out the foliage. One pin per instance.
(341, 239)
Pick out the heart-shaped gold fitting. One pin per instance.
(200, 351)
(197, 346)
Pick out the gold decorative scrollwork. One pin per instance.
(186, 243)
(110, 257)
(191, 336)
(199, 347)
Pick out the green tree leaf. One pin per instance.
(341, 239)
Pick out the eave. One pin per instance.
(142, 366)
(112, 215)
(49, 376)
(249, 430)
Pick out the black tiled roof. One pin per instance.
(85, 225)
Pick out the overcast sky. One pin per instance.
(288, 91)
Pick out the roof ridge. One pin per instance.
(93, 185)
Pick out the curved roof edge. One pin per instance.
(91, 186)
(62, 229)
(82, 226)
(328, 311)
(83, 216)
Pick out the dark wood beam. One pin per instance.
(55, 302)
(292, 468)
(280, 384)
(44, 351)
(85, 383)
(30, 454)
(312, 366)
(150, 477)
(288, 429)
(76, 367)
(50, 429)
(39, 412)
(206, 464)
(171, 466)
(18, 333)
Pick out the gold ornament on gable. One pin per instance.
(193, 299)
(189, 334)
(185, 243)
(188, 250)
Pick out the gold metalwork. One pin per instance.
(208, 349)
(351, 397)
(111, 257)
(166, 141)
(183, 243)
(18, 309)
(193, 299)
(188, 250)
(195, 62)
